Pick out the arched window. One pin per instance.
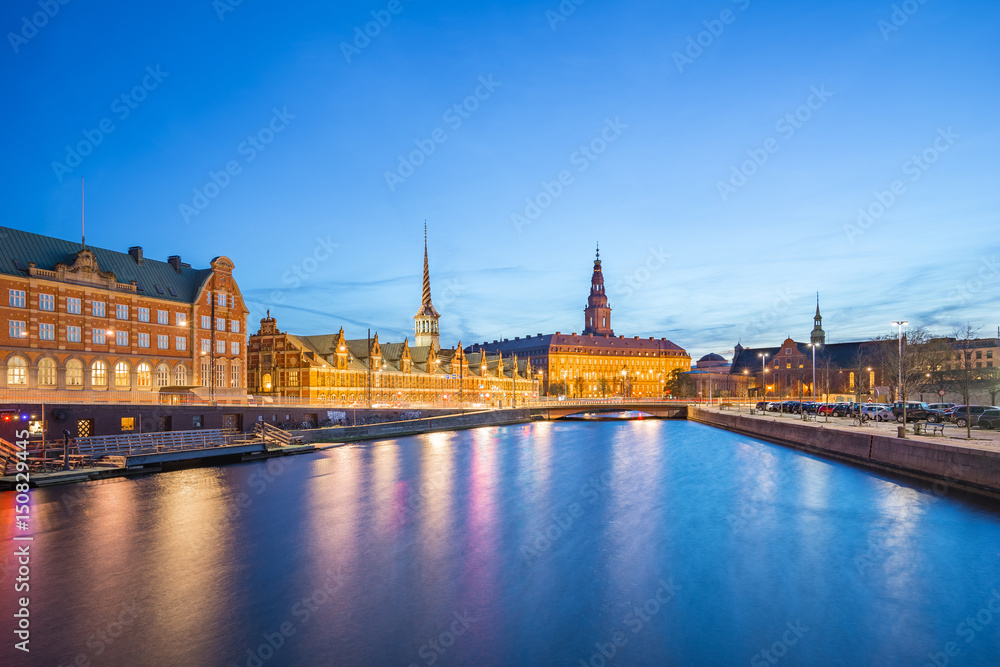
(220, 373)
(266, 383)
(74, 373)
(17, 372)
(121, 375)
(144, 376)
(206, 377)
(99, 374)
(181, 375)
(162, 375)
(234, 374)
(47, 372)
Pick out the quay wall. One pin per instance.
(415, 426)
(946, 465)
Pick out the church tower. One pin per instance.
(597, 314)
(425, 322)
(818, 336)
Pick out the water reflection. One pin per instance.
(371, 552)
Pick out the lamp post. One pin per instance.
(763, 370)
(813, 392)
(899, 388)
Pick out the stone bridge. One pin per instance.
(660, 409)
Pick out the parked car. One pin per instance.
(878, 412)
(989, 419)
(943, 407)
(809, 407)
(840, 409)
(761, 405)
(825, 408)
(773, 406)
(915, 412)
(961, 414)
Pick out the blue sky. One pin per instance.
(718, 151)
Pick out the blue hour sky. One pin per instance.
(731, 157)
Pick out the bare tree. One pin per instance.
(907, 360)
(964, 371)
(991, 383)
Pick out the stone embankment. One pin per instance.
(945, 464)
(415, 426)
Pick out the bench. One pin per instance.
(921, 428)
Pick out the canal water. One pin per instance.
(634, 543)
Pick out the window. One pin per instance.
(163, 317)
(18, 329)
(121, 311)
(143, 340)
(46, 331)
(97, 308)
(234, 374)
(73, 334)
(989, 354)
(180, 320)
(99, 336)
(144, 375)
(206, 322)
(220, 324)
(163, 342)
(180, 375)
(121, 338)
(206, 376)
(121, 374)
(206, 346)
(142, 314)
(220, 347)
(979, 354)
(234, 347)
(266, 382)
(220, 374)
(73, 306)
(182, 343)
(17, 372)
(234, 326)
(16, 298)
(47, 372)
(293, 378)
(47, 302)
(197, 421)
(221, 300)
(99, 374)
(74, 373)
(128, 423)
(162, 375)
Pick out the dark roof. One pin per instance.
(712, 357)
(542, 342)
(840, 355)
(19, 247)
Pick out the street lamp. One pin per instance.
(763, 370)
(899, 388)
(814, 346)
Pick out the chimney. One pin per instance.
(136, 252)
(175, 261)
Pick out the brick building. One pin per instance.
(331, 369)
(82, 320)
(595, 363)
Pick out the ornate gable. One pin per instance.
(405, 360)
(85, 270)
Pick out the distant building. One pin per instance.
(82, 320)
(596, 363)
(335, 370)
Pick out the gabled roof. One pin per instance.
(22, 247)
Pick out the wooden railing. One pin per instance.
(94, 447)
(273, 435)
